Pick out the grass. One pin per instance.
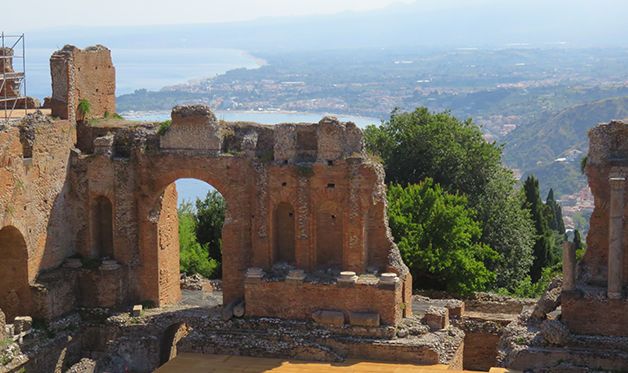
(520, 341)
(5, 342)
(108, 115)
(163, 127)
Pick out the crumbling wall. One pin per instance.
(608, 156)
(596, 303)
(82, 74)
(313, 168)
(35, 194)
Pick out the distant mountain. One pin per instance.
(469, 23)
(552, 146)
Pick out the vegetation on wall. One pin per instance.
(84, 107)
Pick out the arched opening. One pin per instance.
(189, 227)
(284, 233)
(329, 236)
(102, 227)
(14, 288)
(168, 346)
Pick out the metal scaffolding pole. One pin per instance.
(12, 82)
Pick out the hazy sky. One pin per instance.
(38, 14)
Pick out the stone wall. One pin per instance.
(168, 247)
(594, 315)
(301, 300)
(608, 157)
(79, 74)
(334, 198)
(37, 214)
(595, 300)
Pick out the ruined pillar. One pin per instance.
(569, 266)
(615, 238)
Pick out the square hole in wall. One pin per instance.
(331, 186)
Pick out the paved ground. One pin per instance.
(201, 298)
(196, 363)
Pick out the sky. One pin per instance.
(63, 13)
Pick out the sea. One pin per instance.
(153, 69)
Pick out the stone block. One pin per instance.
(194, 127)
(347, 279)
(109, 265)
(455, 308)
(137, 310)
(332, 318)
(73, 263)
(388, 281)
(285, 147)
(369, 319)
(22, 324)
(437, 318)
(295, 276)
(104, 145)
(254, 275)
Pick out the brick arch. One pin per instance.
(160, 280)
(14, 286)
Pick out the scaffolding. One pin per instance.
(12, 79)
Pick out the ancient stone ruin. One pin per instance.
(90, 280)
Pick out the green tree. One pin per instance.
(544, 246)
(578, 245)
(193, 256)
(418, 145)
(439, 238)
(554, 214)
(421, 144)
(210, 215)
(508, 229)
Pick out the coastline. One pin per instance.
(261, 115)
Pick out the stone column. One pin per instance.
(615, 238)
(569, 266)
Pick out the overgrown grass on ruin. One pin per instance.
(84, 107)
(5, 342)
(163, 127)
(108, 115)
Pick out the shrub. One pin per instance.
(439, 238)
(84, 107)
(163, 127)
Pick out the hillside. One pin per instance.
(534, 148)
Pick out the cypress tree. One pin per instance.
(555, 214)
(543, 245)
